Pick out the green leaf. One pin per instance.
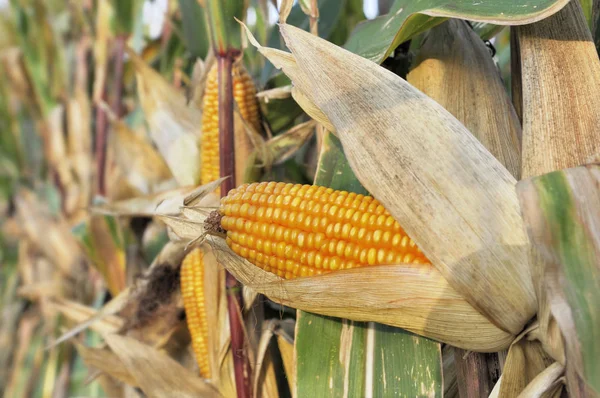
(194, 28)
(337, 357)
(377, 38)
(125, 12)
(224, 29)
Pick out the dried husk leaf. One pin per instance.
(286, 349)
(454, 68)
(561, 103)
(447, 191)
(157, 374)
(87, 317)
(312, 110)
(526, 359)
(174, 126)
(146, 205)
(275, 93)
(411, 296)
(546, 384)
(80, 313)
(51, 236)
(79, 128)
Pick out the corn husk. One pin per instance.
(174, 126)
(561, 105)
(457, 201)
(455, 69)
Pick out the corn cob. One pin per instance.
(192, 291)
(244, 94)
(299, 230)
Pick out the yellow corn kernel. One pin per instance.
(298, 230)
(192, 291)
(244, 94)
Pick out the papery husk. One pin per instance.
(411, 296)
(451, 195)
(174, 126)
(454, 68)
(561, 103)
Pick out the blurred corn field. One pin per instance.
(254, 198)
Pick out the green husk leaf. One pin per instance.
(560, 210)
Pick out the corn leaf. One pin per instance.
(560, 210)
(377, 38)
(194, 28)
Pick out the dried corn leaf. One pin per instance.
(174, 126)
(143, 166)
(447, 191)
(103, 240)
(454, 67)
(561, 103)
(526, 359)
(107, 362)
(157, 374)
(146, 205)
(561, 213)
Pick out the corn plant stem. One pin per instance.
(117, 102)
(101, 116)
(227, 168)
(472, 374)
(100, 149)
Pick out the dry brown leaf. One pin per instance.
(157, 374)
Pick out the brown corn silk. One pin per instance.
(244, 94)
(192, 291)
(296, 230)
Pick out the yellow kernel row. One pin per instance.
(192, 292)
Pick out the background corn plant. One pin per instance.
(106, 114)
